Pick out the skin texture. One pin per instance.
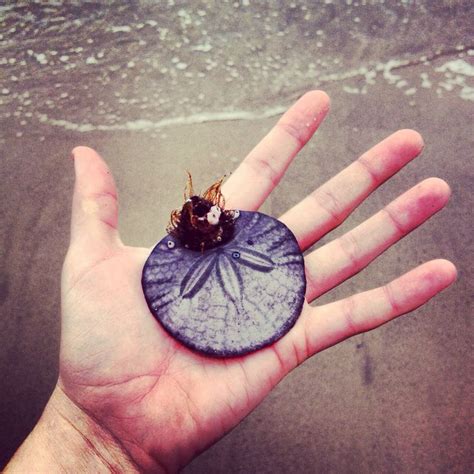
(131, 397)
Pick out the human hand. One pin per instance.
(136, 396)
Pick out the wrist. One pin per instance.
(67, 439)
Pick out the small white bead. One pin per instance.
(214, 215)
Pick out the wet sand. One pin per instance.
(158, 90)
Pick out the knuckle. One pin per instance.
(103, 206)
(264, 166)
(294, 132)
(327, 200)
(351, 249)
(349, 312)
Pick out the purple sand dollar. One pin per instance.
(231, 299)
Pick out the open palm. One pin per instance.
(164, 403)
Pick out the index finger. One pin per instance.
(257, 175)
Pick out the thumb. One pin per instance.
(94, 207)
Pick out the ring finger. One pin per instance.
(341, 258)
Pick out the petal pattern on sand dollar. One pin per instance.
(197, 275)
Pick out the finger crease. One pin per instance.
(106, 194)
(298, 359)
(293, 132)
(329, 203)
(363, 161)
(394, 221)
(279, 358)
(260, 165)
(348, 308)
(396, 308)
(306, 345)
(349, 245)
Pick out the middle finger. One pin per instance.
(329, 205)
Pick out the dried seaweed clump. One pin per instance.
(202, 223)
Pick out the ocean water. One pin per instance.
(141, 65)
